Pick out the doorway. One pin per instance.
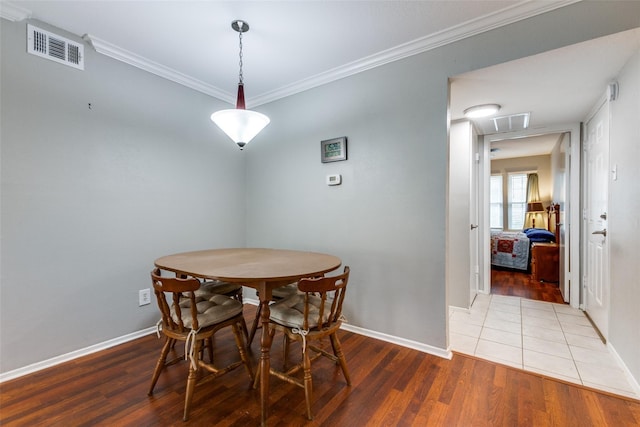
(537, 269)
(493, 85)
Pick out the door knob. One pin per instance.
(603, 216)
(603, 232)
(473, 226)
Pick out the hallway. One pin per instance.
(548, 338)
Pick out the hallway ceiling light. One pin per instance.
(240, 124)
(483, 110)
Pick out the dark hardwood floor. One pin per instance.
(517, 283)
(392, 386)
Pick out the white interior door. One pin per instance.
(458, 234)
(596, 204)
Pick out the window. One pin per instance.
(517, 199)
(495, 202)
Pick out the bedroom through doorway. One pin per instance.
(527, 193)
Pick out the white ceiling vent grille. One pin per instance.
(51, 46)
(514, 122)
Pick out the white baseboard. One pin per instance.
(632, 381)
(425, 348)
(460, 309)
(29, 369)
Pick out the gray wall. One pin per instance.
(624, 225)
(387, 220)
(376, 219)
(89, 197)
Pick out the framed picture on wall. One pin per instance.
(333, 150)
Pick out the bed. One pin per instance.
(511, 249)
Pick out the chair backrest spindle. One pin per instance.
(180, 288)
(330, 290)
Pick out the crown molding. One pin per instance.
(518, 12)
(515, 13)
(13, 13)
(123, 55)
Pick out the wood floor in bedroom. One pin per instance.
(519, 284)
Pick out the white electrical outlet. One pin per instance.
(144, 297)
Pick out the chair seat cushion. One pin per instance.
(216, 287)
(290, 311)
(213, 309)
(285, 291)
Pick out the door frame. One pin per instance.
(475, 278)
(572, 209)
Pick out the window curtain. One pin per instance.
(535, 213)
(533, 191)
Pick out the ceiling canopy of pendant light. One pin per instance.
(240, 124)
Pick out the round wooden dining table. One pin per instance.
(258, 268)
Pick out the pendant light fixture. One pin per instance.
(240, 124)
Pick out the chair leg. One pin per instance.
(168, 344)
(285, 351)
(307, 381)
(254, 326)
(337, 350)
(191, 382)
(210, 348)
(256, 379)
(237, 333)
(245, 332)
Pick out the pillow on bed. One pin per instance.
(539, 235)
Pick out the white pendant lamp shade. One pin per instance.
(240, 125)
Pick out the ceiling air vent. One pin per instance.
(514, 122)
(51, 46)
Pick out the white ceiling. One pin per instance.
(291, 44)
(558, 87)
(296, 45)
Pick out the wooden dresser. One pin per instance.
(545, 262)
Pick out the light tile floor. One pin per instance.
(551, 339)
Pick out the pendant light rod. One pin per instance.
(240, 99)
(240, 27)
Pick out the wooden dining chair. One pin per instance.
(194, 320)
(308, 317)
(232, 290)
(277, 294)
